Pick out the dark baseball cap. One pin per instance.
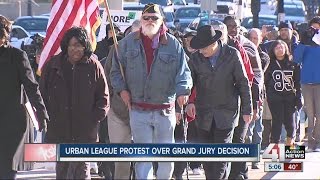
(286, 24)
(153, 8)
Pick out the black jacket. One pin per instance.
(103, 47)
(219, 89)
(76, 108)
(277, 85)
(15, 70)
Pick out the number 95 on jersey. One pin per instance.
(283, 166)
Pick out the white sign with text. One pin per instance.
(122, 18)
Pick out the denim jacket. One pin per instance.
(169, 77)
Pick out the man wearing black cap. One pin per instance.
(218, 72)
(285, 34)
(156, 74)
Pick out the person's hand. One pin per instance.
(126, 98)
(265, 30)
(182, 100)
(255, 114)
(191, 110)
(247, 118)
(178, 118)
(42, 125)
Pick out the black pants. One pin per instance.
(106, 168)
(73, 170)
(266, 133)
(282, 111)
(215, 170)
(8, 147)
(192, 137)
(239, 168)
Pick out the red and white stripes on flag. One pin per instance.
(64, 15)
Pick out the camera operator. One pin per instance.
(307, 54)
(33, 51)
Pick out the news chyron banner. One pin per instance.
(141, 152)
(283, 158)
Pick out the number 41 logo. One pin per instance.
(274, 152)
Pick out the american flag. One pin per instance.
(65, 14)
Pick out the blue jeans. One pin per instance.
(36, 134)
(255, 129)
(153, 127)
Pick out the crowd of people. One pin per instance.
(233, 87)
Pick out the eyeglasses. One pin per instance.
(76, 47)
(153, 18)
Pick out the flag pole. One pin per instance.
(114, 37)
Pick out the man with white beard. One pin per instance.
(155, 72)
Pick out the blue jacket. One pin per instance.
(309, 59)
(169, 76)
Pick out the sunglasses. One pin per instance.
(153, 18)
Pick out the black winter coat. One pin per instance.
(15, 70)
(220, 88)
(76, 108)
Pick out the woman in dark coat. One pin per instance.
(75, 91)
(15, 71)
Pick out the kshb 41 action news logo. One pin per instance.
(40, 152)
(280, 152)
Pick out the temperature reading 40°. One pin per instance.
(292, 166)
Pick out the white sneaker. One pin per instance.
(94, 168)
(196, 171)
(184, 172)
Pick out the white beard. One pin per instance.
(150, 30)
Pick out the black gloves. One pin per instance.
(43, 125)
